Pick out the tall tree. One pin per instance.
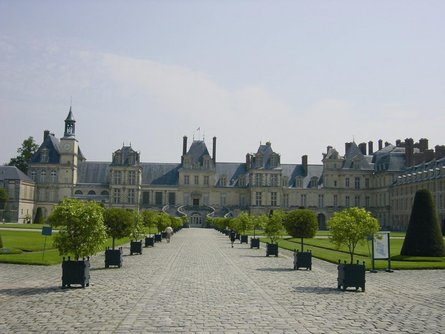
(28, 148)
(423, 237)
(118, 223)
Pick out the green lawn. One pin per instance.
(26, 247)
(325, 250)
(24, 226)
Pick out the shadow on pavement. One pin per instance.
(31, 291)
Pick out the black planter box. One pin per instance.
(149, 241)
(255, 242)
(303, 260)
(244, 239)
(158, 237)
(113, 257)
(272, 249)
(75, 272)
(164, 235)
(351, 276)
(135, 247)
(237, 236)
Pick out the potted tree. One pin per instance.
(81, 234)
(301, 223)
(162, 221)
(136, 234)
(274, 230)
(118, 224)
(244, 223)
(350, 227)
(149, 221)
(258, 222)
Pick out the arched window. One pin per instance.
(53, 176)
(78, 192)
(91, 192)
(43, 176)
(104, 193)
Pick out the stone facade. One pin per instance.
(383, 181)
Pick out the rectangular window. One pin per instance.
(223, 199)
(258, 180)
(158, 198)
(258, 198)
(357, 183)
(145, 198)
(347, 182)
(357, 201)
(117, 175)
(320, 201)
(367, 201)
(206, 180)
(131, 196)
(116, 196)
(131, 177)
(366, 183)
(303, 200)
(53, 176)
(172, 198)
(348, 202)
(274, 180)
(196, 179)
(186, 179)
(273, 199)
(335, 201)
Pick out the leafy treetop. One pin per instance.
(301, 223)
(81, 227)
(352, 226)
(274, 226)
(118, 223)
(28, 148)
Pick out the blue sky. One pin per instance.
(301, 74)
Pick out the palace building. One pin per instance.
(383, 181)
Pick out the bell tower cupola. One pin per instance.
(70, 126)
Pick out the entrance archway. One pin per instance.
(196, 220)
(321, 218)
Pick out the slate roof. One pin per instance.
(160, 173)
(197, 151)
(52, 144)
(293, 171)
(231, 170)
(354, 156)
(389, 158)
(13, 173)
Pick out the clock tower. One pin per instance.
(69, 157)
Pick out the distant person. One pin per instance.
(232, 237)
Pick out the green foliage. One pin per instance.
(274, 226)
(423, 237)
(219, 222)
(3, 198)
(352, 226)
(1, 241)
(162, 221)
(118, 223)
(28, 148)
(244, 222)
(149, 219)
(81, 227)
(175, 222)
(301, 223)
(137, 230)
(259, 222)
(38, 218)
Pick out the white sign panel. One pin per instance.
(381, 246)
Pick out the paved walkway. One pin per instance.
(199, 284)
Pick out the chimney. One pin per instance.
(184, 148)
(440, 152)
(409, 152)
(214, 149)
(398, 143)
(184, 145)
(370, 148)
(380, 144)
(423, 144)
(45, 134)
(304, 163)
(328, 148)
(362, 148)
(387, 143)
(248, 161)
(347, 147)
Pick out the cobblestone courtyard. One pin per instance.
(199, 284)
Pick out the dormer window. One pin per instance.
(223, 181)
(44, 156)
